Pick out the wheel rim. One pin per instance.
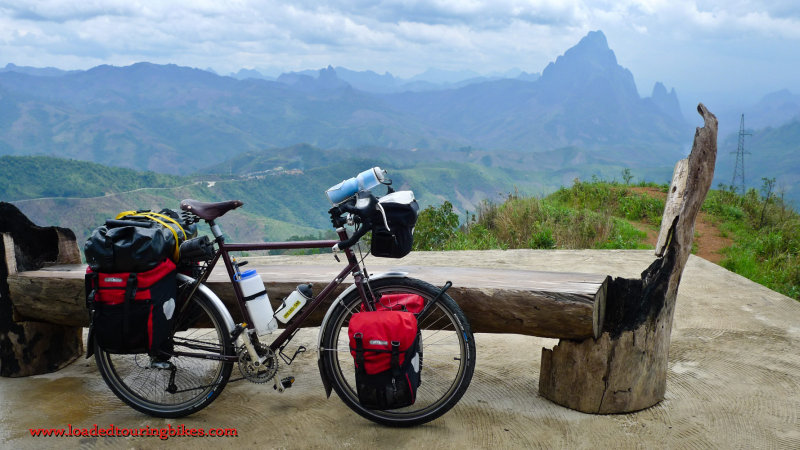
(196, 379)
(445, 359)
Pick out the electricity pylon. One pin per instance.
(738, 170)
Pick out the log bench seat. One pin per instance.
(545, 304)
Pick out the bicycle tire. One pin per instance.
(198, 381)
(447, 344)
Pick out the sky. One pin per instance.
(724, 51)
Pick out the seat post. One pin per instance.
(216, 231)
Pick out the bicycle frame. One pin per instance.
(223, 252)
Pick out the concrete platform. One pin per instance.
(733, 382)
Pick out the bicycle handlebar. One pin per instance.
(363, 208)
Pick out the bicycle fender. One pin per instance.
(211, 296)
(325, 382)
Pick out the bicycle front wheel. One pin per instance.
(447, 345)
(180, 385)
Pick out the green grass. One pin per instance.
(766, 237)
(588, 215)
(613, 199)
(598, 214)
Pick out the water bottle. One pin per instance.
(364, 181)
(257, 301)
(294, 303)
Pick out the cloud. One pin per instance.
(656, 39)
(60, 11)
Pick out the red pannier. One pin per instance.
(132, 312)
(400, 302)
(386, 346)
(412, 303)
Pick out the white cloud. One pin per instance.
(656, 39)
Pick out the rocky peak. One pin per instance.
(589, 61)
(667, 102)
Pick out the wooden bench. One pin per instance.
(547, 304)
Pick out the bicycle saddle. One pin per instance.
(209, 211)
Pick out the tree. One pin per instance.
(435, 226)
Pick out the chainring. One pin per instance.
(261, 373)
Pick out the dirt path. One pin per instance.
(707, 236)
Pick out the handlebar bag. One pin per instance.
(393, 230)
(132, 312)
(387, 349)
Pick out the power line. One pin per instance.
(738, 170)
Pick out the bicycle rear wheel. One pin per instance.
(447, 344)
(180, 385)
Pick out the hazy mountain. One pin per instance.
(37, 71)
(774, 152)
(667, 102)
(244, 74)
(369, 81)
(325, 80)
(525, 76)
(176, 119)
(589, 64)
(773, 110)
(583, 99)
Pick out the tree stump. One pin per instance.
(626, 368)
(29, 347)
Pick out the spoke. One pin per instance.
(427, 326)
(426, 342)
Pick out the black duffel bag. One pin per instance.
(137, 241)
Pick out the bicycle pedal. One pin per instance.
(162, 365)
(286, 383)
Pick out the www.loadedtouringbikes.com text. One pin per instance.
(112, 430)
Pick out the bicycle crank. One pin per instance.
(256, 372)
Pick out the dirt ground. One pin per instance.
(732, 382)
(708, 238)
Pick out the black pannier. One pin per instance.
(386, 347)
(393, 230)
(137, 241)
(131, 280)
(132, 312)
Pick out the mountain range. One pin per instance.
(582, 115)
(152, 116)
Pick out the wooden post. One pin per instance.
(32, 347)
(625, 369)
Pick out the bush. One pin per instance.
(435, 227)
